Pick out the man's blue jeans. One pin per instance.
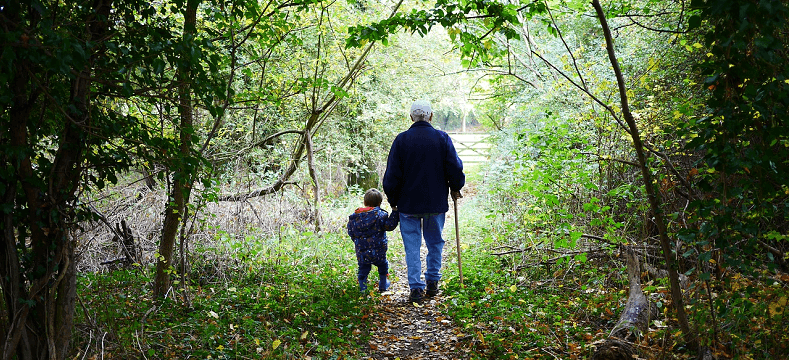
(412, 227)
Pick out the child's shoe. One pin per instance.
(384, 285)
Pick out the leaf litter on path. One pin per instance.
(400, 329)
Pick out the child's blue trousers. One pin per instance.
(364, 271)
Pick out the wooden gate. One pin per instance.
(472, 148)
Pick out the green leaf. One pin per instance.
(694, 22)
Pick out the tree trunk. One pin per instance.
(40, 296)
(654, 200)
(634, 320)
(314, 176)
(65, 303)
(638, 311)
(10, 270)
(14, 289)
(172, 215)
(184, 175)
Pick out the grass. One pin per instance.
(560, 313)
(304, 303)
(267, 310)
(293, 294)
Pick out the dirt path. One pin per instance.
(400, 329)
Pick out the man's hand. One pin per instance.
(456, 195)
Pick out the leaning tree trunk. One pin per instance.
(314, 176)
(183, 179)
(634, 320)
(654, 200)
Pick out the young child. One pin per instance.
(367, 227)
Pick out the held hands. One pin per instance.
(456, 195)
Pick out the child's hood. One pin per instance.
(364, 209)
(367, 214)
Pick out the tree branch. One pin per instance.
(592, 96)
(264, 191)
(316, 115)
(271, 137)
(670, 166)
(778, 255)
(600, 157)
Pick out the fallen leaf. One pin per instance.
(777, 308)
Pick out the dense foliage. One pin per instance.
(743, 134)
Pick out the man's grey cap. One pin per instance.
(420, 110)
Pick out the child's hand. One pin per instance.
(394, 208)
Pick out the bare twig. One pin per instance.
(670, 166)
(590, 254)
(279, 184)
(588, 93)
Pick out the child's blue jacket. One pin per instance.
(367, 228)
(423, 166)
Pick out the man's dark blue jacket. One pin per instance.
(422, 167)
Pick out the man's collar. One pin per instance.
(421, 124)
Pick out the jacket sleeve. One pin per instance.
(453, 167)
(350, 229)
(391, 221)
(393, 177)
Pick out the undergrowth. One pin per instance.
(562, 312)
(520, 306)
(293, 294)
(532, 314)
(284, 307)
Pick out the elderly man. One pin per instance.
(422, 168)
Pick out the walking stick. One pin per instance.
(457, 240)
